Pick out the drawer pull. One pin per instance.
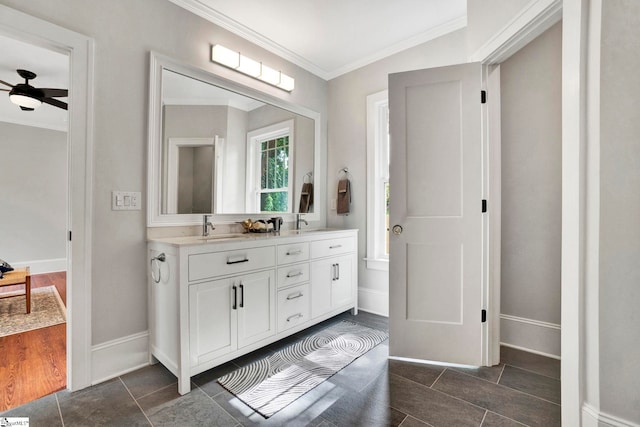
(295, 316)
(237, 262)
(296, 296)
(290, 275)
(335, 246)
(295, 252)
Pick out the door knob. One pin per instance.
(397, 230)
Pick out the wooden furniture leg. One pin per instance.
(27, 290)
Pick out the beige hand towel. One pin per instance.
(344, 197)
(306, 197)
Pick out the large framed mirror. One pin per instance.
(217, 147)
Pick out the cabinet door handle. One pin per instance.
(290, 275)
(337, 271)
(295, 252)
(335, 246)
(235, 297)
(333, 272)
(296, 296)
(295, 316)
(241, 295)
(237, 262)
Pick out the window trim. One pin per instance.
(253, 161)
(377, 106)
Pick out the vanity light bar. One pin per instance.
(236, 61)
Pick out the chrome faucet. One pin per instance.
(299, 220)
(206, 224)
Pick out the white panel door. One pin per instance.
(436, 259)
(212, 320)
(256, 307)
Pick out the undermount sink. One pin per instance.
(310, 230)
(223, 236)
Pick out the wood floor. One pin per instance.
(34, 363)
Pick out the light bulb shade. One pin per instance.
(248, 66)
(287, 83)
(269, 75)
(234, 60)
(224, 56)
(24, 100)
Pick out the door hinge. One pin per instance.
(484, 316)
(69, 235)
(484, 205)
(483, 96)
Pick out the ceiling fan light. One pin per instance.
(25, 101)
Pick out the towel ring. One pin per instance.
(308, 175)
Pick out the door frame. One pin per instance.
(533, 21)
(80, 50)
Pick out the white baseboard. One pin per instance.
(117, 357)
(530, 335)
(591, 417)
(372, 301)
(43, 265)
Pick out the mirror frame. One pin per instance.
(155, 217)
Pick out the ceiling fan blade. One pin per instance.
(49, 93)
(5, 90)
(55, 103)
(5, 83)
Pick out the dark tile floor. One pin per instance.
(372, 391)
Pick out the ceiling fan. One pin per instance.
(29, 98)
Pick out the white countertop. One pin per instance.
(241, 237)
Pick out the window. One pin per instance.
(378, 181)
(269, 176)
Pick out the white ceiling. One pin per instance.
(52, 69)
(333, 37)
(325, 37)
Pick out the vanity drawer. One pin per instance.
(293, 274)
(293, 252)
(329, 247)
(293, 307)
(211, 264)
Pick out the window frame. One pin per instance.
(377, 176)
(254, 151)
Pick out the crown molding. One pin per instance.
(199, 8)
(537, 17)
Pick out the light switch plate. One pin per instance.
(125, 200)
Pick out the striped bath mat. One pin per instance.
(270, 384)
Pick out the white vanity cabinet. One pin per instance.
(211, 301)
(228, 314)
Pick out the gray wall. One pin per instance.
(125, 31)
(33, 203)
(531, 98)
(619, 296)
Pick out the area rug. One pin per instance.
(47, 309)
(270, 384)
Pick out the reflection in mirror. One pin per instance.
(221, 148)
(226, 153)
